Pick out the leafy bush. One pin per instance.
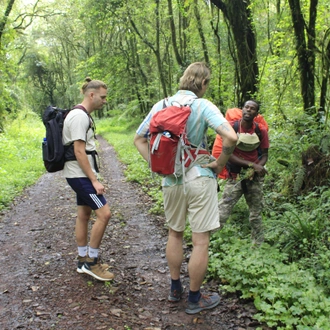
(286, 296)
(298, 231)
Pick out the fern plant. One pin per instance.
(299, 233)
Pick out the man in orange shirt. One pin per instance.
(252, 138)
(233, 114)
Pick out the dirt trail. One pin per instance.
(39, 285)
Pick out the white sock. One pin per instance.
(93, 253)
(82, 251)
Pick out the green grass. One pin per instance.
(20, 156)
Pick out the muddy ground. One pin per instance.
(39, 285)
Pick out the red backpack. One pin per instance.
(170, 152)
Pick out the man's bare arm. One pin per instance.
(141, 144)
(229, 140)
(80, 153)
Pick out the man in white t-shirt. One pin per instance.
(81, 174)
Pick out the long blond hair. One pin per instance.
(194, 76)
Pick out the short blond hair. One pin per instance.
(193, 77)
(92, 84)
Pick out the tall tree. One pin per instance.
(173, 34)
(305, 48)
(201, 33)
(155, 47)
(239, 16)
(326, 73)
(4, 19)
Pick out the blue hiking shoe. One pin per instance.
(205, 302)
(175, 295)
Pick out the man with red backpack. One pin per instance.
(192, 197)
(249, 156)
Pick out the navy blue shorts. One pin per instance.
(86, 193)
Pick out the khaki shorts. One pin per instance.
(199, 205)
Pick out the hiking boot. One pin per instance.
(175, 295)
(82, 260)
(205, 302)
(94, 268)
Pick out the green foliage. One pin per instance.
(299, 179)
(20, 156)
(300, 232)
(286, 295)
(118, 132)
(9, 93)
(319, 264)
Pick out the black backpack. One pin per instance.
(54, 153)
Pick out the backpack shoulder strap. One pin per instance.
(236, 125)
(257, 130)
(91, 120)
(165, 103)
(79, 106)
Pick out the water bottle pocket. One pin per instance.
(44, 151)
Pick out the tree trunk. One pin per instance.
(215, 29)
(5, 18)
(239, 16)
(305, 52)
(155, 49)
(183, 25)
(157, 52)
(201, 33)
(325, 79)
(173, 34)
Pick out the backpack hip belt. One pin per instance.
(69, 155)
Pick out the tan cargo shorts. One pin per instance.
(199, 206)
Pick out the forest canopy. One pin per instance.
(276, 51)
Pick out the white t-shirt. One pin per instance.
(77, 127)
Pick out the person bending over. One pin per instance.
(249, 156)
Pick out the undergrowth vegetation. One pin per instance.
(287, 277)
(20, 156)
(119, 133)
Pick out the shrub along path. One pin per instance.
(40, 288)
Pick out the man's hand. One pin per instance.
(259, 169)
(98, 186)
(216, 168)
